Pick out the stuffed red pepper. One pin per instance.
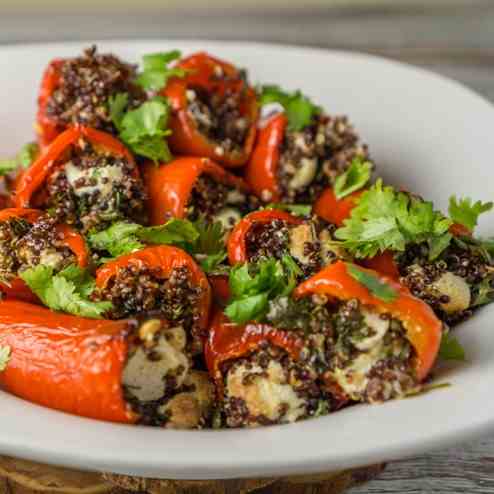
(214, 111)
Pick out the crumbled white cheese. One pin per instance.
(109, 174)
(457, 289)
(228, 217)
(305, 174)
(299, 236)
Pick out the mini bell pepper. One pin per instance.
(228, 341)
(68, 363)
(166, 258)
(262, 167)
(237, 240)
(169, 186)
(52, 157)
(423, 328)
(16, 288)
(334, 210)
(201, 72)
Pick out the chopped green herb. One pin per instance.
(297, 209)
(354, 178)
(484, 292)
(119, 239)
(375, 285)
(253, 285)
(67, 291)
(451, 348)
(156, 72)
(466, 213)
(5, 353)
(298, 108)
(144, 129)
(437, 245)
(23, 159)
(385, 219)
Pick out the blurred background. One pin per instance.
(454, 37)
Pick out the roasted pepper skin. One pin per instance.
(68, 363)
(17, 288)
(228, 341)
(34, 177)
(166, 258)
(334, 210)
(261, 170)
(169, 185)
(237, 240)
(185, 137)
(423, 328)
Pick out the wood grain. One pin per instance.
(455, 39)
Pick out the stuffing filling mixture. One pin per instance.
(369, 357)
(454, 283)
(159, 383)
(218, 117)
(24, 245)
(138, 289)
(312, 158)
(93, 189)
(85, 85)
(308, 243)
(215, 201)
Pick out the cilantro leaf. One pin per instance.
(451, 348)
(297, 209)
(118, 239)
(298, 108)
(385, 219)
(254, 285)
(67, 291)
(5, 353)
(354, 178)
(173, 232)
(23, 159)
(375, 285)
(143, 129)
(466, 213)
(156, 72)
(484, 292)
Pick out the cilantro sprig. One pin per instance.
(5, 353)
(67, 291)
(156, 70)
(254, 285)
(380, 289)
(388, 219)
(201, 239)
(297, 209)
(23, 159)
(298, 108)
(451, 348)
(466, 212)
(145, 128)
(354, 178)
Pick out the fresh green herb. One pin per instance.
(484, 292)
(488, 245)
(203, 240)
(23, 159)
(144, 129)
(451, 348)
(297, 209)
(5, 353)
(298, 108)
(253, 285)
(387, 219)
(466, 213)
(354, 178)
(437, 244)
(377, 287)
(67, 291)
(156, 72)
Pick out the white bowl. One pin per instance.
(426, 133)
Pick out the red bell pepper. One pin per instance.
(220, 288)
(262, 167)
(166, 258)
(46, 128)
(334, 210)
(16, 288)
(66, 362)
(202, 73)
(423, 328)
(237, 245)
(52, 157)
(169, 186)
(227, 341)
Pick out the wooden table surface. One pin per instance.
(453, 38)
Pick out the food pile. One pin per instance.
(182, 249)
